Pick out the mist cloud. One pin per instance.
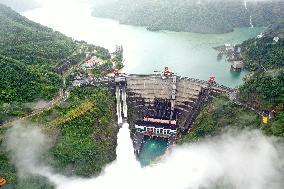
(246, 160)
(27, 144)
(21, 5)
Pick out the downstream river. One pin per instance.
(187, 54)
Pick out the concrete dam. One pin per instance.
(164, 107)
(183, 93)
(161, 105)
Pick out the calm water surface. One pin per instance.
(187, 54)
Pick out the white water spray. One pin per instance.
(118, 104)
(246, 160)
(245, 4)
(116, 175)
(250, 22)
(125, 151)
(124, 102)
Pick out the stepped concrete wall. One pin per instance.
(142, 90)
(190, 96)
(150, 87)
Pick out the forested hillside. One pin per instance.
(84, 135)
(218, 116)
(28, 54)
(82, 126)
(266, 52)
(21, 83)
(30, 42)
(264, 89)
(205, 16)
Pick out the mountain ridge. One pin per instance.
(188, 16)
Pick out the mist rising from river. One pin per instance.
(245, 159)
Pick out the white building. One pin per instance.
(158, 127)
(260, 35)
(276, 39)
(229, 47)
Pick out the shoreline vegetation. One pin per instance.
(41, 59)
(263, 89)
(212, 17)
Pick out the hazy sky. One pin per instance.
(20, 5)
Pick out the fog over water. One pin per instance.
(246, 160)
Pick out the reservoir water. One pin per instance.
(187, 54)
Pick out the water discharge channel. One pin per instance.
(150, 150)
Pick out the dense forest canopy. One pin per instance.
(265, 52)
(86, 142)
(30, 42)
(23, 83)
(205, 16)
(28, 54)
(264, 89)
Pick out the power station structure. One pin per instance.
(160, 105)
(164, 105)
(162, 121)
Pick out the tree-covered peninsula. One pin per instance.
(33, 59)
(263, 89)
